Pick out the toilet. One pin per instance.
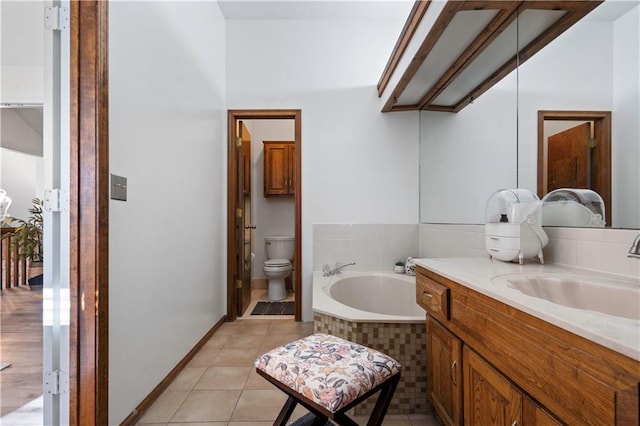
(278, 265)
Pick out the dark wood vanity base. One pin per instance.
(490, 363)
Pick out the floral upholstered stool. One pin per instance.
(328, 376)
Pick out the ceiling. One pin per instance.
(316, 9)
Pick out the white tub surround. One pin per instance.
(619, 334)
(374, 247)
(381, 297)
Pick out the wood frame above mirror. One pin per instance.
(466, 48)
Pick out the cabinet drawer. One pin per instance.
(433, 297)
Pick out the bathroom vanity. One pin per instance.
(499, 354)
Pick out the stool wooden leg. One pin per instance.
(343, 420)
(382, 404)
(286, 412)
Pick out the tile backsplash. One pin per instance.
(374, 247)
(602, 250)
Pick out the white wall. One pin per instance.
(21, 52)
(167, 273)
(21, 177)
(466, 157)
(271, 215)
(358, 165)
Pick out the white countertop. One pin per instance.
(619, 334)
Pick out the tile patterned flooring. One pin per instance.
(220, 387)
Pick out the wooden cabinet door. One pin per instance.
(279, 168)
(489, 398)
(275, 169)
(444, 363)
(534, 415)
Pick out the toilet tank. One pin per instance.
(280, 246)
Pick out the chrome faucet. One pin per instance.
(634, 251)
(327, 271)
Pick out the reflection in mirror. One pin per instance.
(589, 74)
(593, 66)
(574, 151)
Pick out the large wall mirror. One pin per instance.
(493, 143)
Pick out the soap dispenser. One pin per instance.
(513, 229)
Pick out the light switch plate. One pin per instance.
(118, 188)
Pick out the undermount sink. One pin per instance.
(620, 298)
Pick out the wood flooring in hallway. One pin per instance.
(21, 346)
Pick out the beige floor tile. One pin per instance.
(298, 412)
(259, 405)
(204, 358)
(187, 378)
(164, 407)
(221, 378)
(285, 327)
(307, 328)
(244, 342)
(236, 357)
(424, 420)
(250, 423)
(253, 321)
(275, 340)
(217, 341)
(227, 329)
(198, 424)
(207, 406)
(256, 381)
(252, 327)
(389, 420)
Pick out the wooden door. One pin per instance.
(489, 398)
(444, 363)
(569, 159)
(246, 149)
(291, 161)
(243, 292)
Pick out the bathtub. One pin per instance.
(367, 297)
(378, 310)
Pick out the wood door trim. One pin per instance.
(260, 114)
(89, 213)
(602, 120)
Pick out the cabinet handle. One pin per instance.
(453, 373)
(427, 294)
(515, 423)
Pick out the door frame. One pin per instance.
(602, 126)
(262, 114)
(89, 214)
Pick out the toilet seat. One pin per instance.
(276, 263)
